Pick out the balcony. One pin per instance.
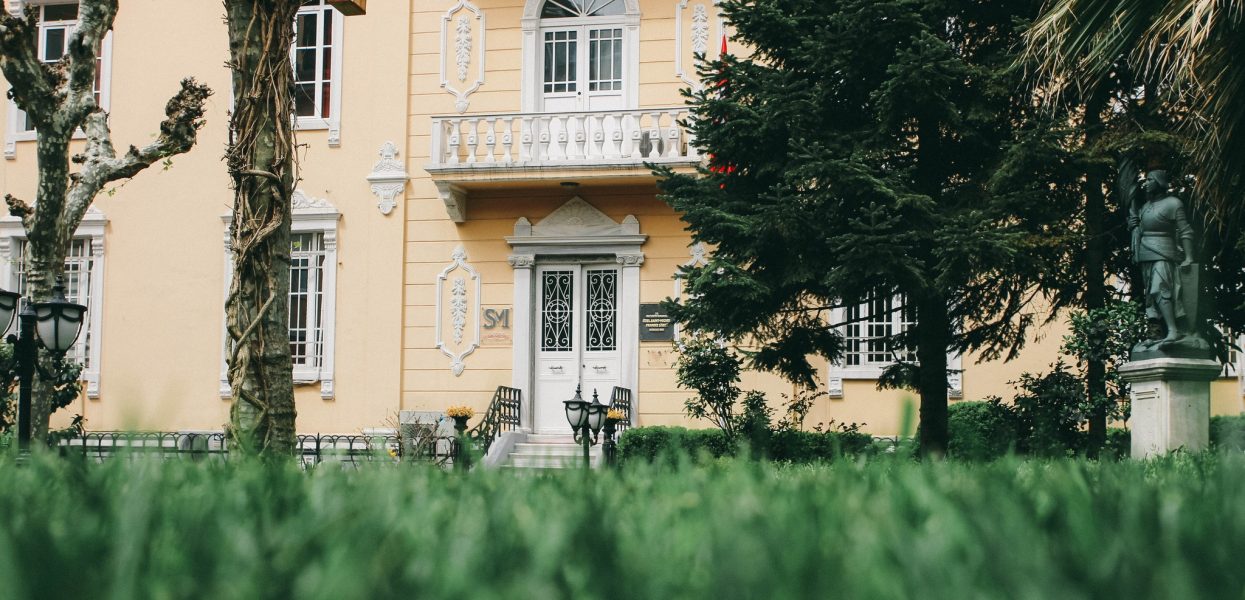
(475, 151)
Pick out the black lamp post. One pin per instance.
(56, 323)
(586, 420)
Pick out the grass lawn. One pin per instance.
(884, 528)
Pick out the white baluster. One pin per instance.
(507, 139)
(562, 145)
(490, 138)
(455, 139)
(525, 138)
(673, 147)
(654, 135)
(546, 140)
(473, 139)
(598, 135)
(692, 152)
(635, 132)
(616, 135)
(577, 146)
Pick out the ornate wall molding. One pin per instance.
(468, 26)
(696, 41)
(698, 258)
(388, 178)
(464, 301)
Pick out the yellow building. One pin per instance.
(473, 211)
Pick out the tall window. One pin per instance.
(57, 23)
(78, 266)
(316, 56)
(312, 296)
(307, 300)
(869, 334)
(584, 56)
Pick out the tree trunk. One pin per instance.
(261, 164)
(932, 337)
(45, 261)
(1095, 274)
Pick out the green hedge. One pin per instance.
(980, 430)
(1228, 432)
(649, 444)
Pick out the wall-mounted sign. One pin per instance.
(655, 324)
(495, 323)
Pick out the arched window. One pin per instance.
(555, 9)
(580, 55)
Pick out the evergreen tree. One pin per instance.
(852, 156)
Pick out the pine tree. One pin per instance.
(852, 157)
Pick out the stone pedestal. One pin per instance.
(1170, 403)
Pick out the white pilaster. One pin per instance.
(521, 368)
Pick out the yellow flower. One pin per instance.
(615, 414)
(460, 411)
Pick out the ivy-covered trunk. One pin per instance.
(261, 165)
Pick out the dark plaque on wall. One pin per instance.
(655, 324)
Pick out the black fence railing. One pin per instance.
(313, 449)
(502, 416)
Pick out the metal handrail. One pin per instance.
(620, 399)
(502, 416)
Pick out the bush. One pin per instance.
(1228, 432)
(648, 444)
(1049, 411)
(1119, 443)
(665, 444)
(981, 430)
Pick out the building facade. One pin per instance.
(473, 211)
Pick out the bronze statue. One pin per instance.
(1162, 245)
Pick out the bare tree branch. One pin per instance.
(19, 208)
(32, 84)
(94, 21)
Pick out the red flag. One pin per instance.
(728, 168)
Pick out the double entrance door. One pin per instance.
(576, 338)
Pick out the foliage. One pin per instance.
(1188, 49)
(1172, 528)
(649, 444)
(881, 124)
(670, 444)
(1049, 410)
(1228, 432)
(981, 430)
(712, 370)
(1106, 335)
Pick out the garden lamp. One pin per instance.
(8, 308)
(58, 321)
(596, 414)
(576, 410)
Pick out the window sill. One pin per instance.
(332, 125)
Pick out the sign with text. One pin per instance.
(655, 324)
(495, 326)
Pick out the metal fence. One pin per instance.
(313, 449)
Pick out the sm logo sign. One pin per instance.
(495, 318)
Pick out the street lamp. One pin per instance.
(586, 419)
(56, 323)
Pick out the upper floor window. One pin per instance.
(585, 56)
(316, 54)
(871, 330)
(57, 23)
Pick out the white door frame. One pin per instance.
(531, 77)
(576, 232)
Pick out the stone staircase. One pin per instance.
(551, 452)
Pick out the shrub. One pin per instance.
(664, 444)
(981, 430)
(1228, 432)
(648, 444)
(1119, 443)
(1049, 412)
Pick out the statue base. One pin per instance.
(1170, 403)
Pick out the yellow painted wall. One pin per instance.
(164, 254)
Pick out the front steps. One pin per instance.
(551, 452)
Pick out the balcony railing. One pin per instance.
(520, 140)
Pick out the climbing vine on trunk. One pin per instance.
(59, 100)
(262, 167)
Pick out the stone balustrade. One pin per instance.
(606, 138)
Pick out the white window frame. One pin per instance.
(13, 133)
(310, 215)
(532, 71)
(333, 122)
(12, 234)
(837, 374)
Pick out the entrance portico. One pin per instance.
(576, 301)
